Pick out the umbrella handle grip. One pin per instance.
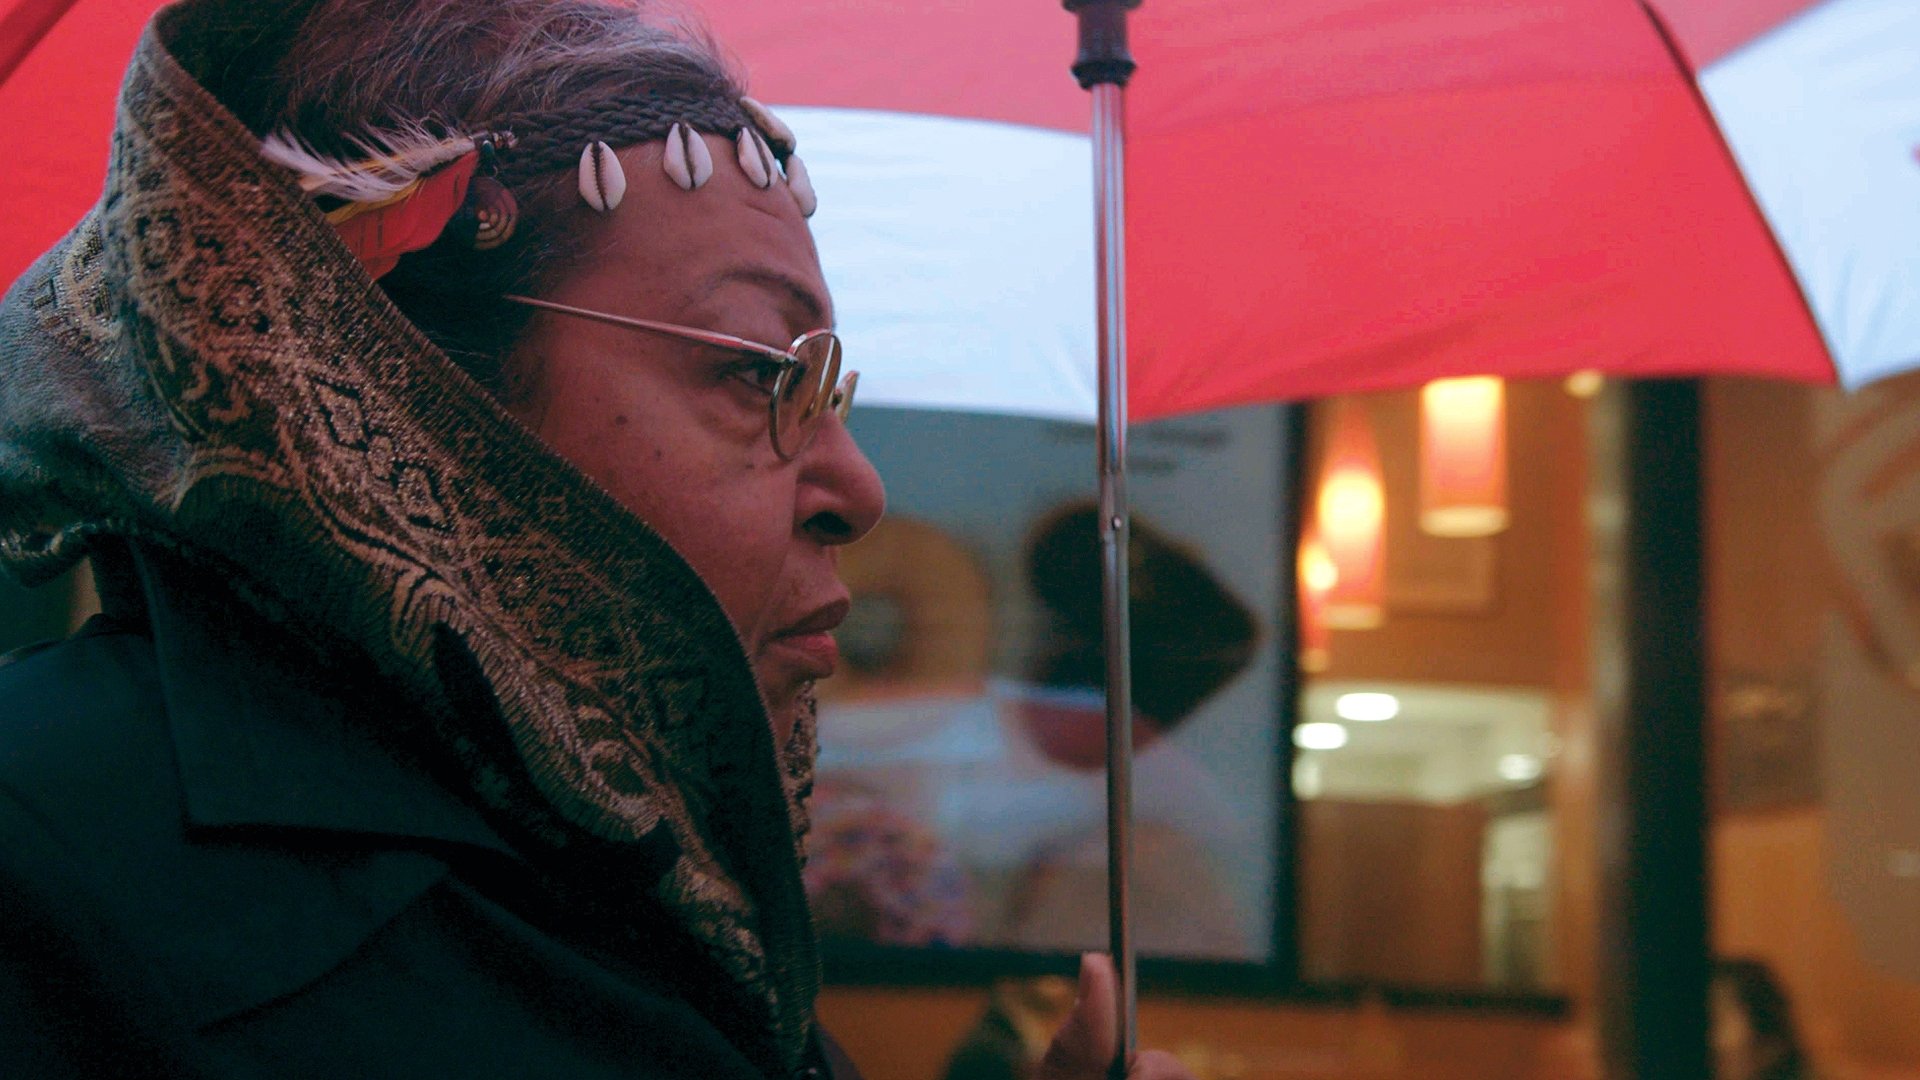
(1104, 56)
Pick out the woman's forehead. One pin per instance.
(807, 297)
(674, 251)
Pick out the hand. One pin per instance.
(1084, 1046)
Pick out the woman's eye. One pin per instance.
(758, 371)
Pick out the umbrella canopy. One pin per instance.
(56, 113)
(1338, 195)
(1325, 195)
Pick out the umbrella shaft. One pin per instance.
(1109, 110)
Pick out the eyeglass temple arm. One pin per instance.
(708, 337)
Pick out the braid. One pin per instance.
(545, 142)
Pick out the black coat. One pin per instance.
(210, 867)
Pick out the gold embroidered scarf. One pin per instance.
(202, 364)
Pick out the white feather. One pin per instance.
(393, 159)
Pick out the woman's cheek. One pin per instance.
(746, 571)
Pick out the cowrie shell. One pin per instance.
(687, 160)
(777, 133)
(802, 186)
(701, 157)
(603, 183)
(675, 160)
(756, 158)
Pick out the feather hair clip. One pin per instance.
(407, 222)
(402, 196)
(390, 161)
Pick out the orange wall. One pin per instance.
(1521, 637)
(1771, 901)
(1390, 892)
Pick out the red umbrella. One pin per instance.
(58, 78)
(1339, 195)
(1325, 195)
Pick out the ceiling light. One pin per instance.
(1463, 456)
(1320, 735)
(1350, 514)
(1366, 708)
(1519, 768)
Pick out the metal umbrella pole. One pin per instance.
(1103, 67)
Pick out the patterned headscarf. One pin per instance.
(202, 364)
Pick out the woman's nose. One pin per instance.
(841, 496)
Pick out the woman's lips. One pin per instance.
(813, 655)
(808, 644)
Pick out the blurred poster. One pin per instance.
(961, 801)
(1869, 676)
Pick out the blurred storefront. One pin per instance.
(1451, 835)
(1442, 837)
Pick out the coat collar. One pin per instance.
(264, 737)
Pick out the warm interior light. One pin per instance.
(1585, 383)
(1350, 513)
(1316, 577)
(1519, 768)
(1463, 456)
(1366, 708)
(1320, 735)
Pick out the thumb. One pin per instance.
(1084, 1046)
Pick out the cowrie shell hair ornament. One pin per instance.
(778, 135)
(687, 160)
(603, 182)
(756, 158)
(801, 185)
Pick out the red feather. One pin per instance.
(379, 237)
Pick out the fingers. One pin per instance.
(1099, 1006)
(1084, 1047)
(1085, 1044)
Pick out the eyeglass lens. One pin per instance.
(805, 392)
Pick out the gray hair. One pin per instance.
(362, 66)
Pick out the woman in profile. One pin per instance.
(446, 395)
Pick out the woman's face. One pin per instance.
(678, 431)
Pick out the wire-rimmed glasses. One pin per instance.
(808, 386)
